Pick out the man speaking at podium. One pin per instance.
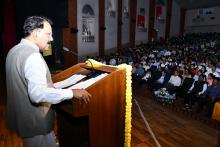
(30, 90)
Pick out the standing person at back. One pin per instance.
(30, 91)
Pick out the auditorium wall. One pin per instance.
(142, 29)
(111, 27)
(141, 34)
(203, 20)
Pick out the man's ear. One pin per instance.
(34, 33)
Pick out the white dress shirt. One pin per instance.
(35, 74)
(175, 80)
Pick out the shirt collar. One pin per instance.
(28, 42)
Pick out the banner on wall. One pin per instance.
(159, 8)
(158, 11)
(88, 24)
(141, 20)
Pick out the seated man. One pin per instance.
(137, 74)
(154, 77)
(173, 83)
(210, 96)
(198, 88)
(145, 78)
(158, 83)
(185, 86)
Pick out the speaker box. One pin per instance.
(1, 14)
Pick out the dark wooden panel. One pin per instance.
(182, 20)
(70, 36)
(72, 131)
(120, 24)
(101, 28)
(151, 30)
(133, 9)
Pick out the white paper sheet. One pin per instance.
(87, 83)
(69, 81)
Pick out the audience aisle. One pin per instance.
(171, 128)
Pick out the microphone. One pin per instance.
(83, 58)
(74, 53)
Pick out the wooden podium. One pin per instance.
(101, 122)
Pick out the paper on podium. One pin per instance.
(69, 81)
(87, 83)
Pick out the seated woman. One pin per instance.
(210, 79)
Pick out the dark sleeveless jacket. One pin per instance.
(24, 117)
(198, 87)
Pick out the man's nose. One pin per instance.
(51, 38)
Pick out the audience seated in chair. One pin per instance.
(158, 81)
(185, 86)
(210, 97)
(145, 78)
(198, 88)
(173, 83)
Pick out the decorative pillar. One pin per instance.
(168, 18)
(182, 20)
(151, 30)
(102, 28)
(70, 35)
(120, 23)
(133, 12)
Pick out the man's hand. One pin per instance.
(81, 94)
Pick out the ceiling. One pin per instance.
(193, 4)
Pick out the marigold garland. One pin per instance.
(128, 106)
(128, 99)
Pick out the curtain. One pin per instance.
(9, 28)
